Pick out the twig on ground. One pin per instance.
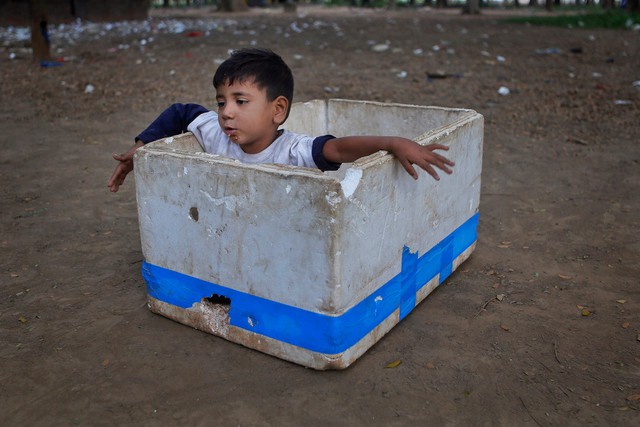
(484, 306)
(555, 352)
(529, 412)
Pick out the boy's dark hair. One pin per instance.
(265, 68)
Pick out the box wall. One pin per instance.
(313, 241)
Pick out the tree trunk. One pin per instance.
(607, 4)
(548, 5)
(472, 7)
(233, 5)
(39, 32)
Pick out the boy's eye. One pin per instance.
(220, 104)
(242, 101)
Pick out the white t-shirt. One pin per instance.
(289, 148)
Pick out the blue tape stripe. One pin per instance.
(313, 331)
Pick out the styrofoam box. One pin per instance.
(308, 266)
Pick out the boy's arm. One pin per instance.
(172, 121)
(351, 148)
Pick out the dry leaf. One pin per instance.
(105, 362)
(14, 275)
(393, 364)
(564, 277)
(621, 301)
(22, 319)
(634, 398)
(430, 365)
(625, 325)
(580, 307)
(585, 312)
(504, 328)
(500, 297)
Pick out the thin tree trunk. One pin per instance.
(39, 32)
(233, 5)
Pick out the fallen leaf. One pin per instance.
(393, 364)
(22, 319)
(580, 307)
(634, 398)
(564, 277)
(500, 297)
(621, 301)
(105, 362)
(504, 328)
(14, 275)
(585, 312)
(430, 365)
(625, 325)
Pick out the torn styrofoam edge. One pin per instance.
(351, 181)
(168, 140)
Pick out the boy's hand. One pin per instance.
(125, 165)
(409, 154)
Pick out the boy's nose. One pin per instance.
(225, 112)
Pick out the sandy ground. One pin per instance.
(539, 327)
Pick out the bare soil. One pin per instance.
(539, 327)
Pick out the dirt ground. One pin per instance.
(540, 326)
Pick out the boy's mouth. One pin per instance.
(231, 132)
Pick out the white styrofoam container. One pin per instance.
(308, 266)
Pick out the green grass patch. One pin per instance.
(615, 19)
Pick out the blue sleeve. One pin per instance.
(172, 121)
(316, 151)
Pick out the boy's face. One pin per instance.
(247, 116)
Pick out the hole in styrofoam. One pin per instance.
(217, 300)
(193, 214)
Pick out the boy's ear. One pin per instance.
(281, 107)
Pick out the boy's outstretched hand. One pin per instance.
(424, 157)
(125, 165)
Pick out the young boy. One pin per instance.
(254, 91)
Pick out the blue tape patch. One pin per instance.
(314, 331)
